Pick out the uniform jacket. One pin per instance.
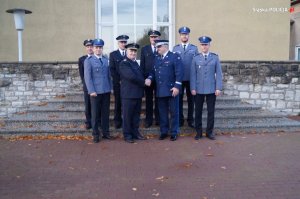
(187, 57)
(81, 70)
(167, 73)
(115, 59)
(147, 59)
(206, 75)
(132, 79)
(97, 75)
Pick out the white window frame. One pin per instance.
(170, 24)
(297, 49)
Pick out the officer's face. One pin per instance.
(204, 47)
(122, 44)
(98, 50)
(89, 50)
(184, 38)
(162, 49)
(131, 54)
(153, 38)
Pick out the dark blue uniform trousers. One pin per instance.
(149, 93)
(210, 101)
(168, 105)
(100, 112)
(190, 100)
(118, 109)
(87, 105)
(131, 109)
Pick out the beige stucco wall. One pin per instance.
(53, 32)
(238, 33)
(56, 29)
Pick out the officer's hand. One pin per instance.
(175, 91)
(218, 92)
(147, 82)
(193, 92)
(93, 94)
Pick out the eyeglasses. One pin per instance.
(153, 36)
(123, 42)
(159, 46)
(204, 44)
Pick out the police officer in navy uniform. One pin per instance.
(87, 103)
(186, 51)
(132, 91)
(98, 83)
(168, 74)
(115, 58)
(148, 54)
(206, 84)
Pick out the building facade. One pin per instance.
(241, 30)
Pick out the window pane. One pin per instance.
(298, 53)
(107, 33)
(162, 10)
(125, 11)
(127, 30)
(164, 30)
(106, 11)
(142, 37)
(144, 11)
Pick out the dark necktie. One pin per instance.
(123, 53)
(154, 50)
(205, 57)
(100, 59)
(184, 47)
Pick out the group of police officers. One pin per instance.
(163, 76)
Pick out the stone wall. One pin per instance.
(29, 83)
(273, 85)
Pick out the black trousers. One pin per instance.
(190, 100)
(88, 109)
(210, 101)
(131, 117)
(149, 93)
(118, 107)
(100, 111)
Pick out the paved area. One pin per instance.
(242, 166)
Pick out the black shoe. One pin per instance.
(107, 137)
(129, 140)
(157, 123)
(210, 136)
(191, 125)
(173, 137)
(96, 139)
(147, 125)
(140, 137)
(88, 126)
(163, 136)
(198, 136)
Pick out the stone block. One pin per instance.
(255, 96)
(276, 96)
(289, 95)
(244, 95)
(16, 104)
(39, 84)
(243, 87)
(281, 104)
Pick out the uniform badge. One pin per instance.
(199, 66)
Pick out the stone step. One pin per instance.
(47, 113)
(219, 129)
(56, 122)
(80, 99)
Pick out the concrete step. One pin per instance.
(66, 122)
(219, 129)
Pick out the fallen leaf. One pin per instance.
(155, 194)
(162, 178)
(209, 155)
(21, 113)
(60, 96)
(134, 189)
(41, 104)
(223, 167)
